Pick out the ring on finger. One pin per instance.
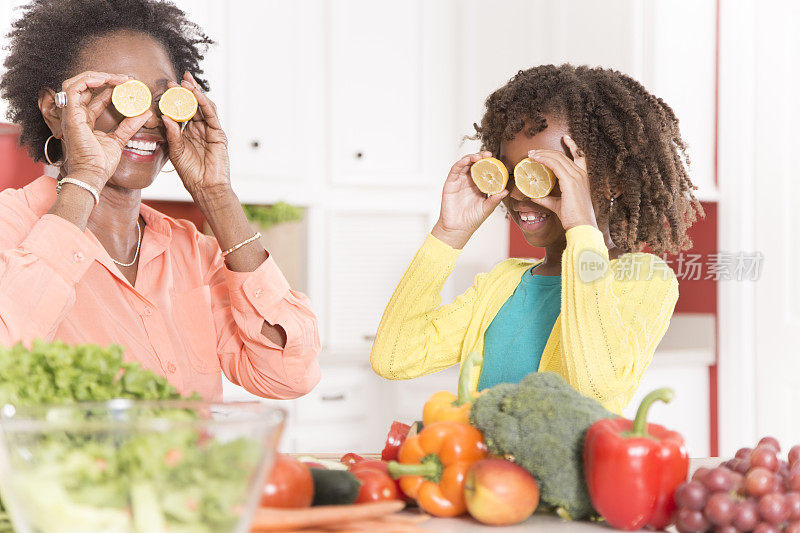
(61, 99)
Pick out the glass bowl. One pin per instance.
(128, 466)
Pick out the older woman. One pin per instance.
(86, 261)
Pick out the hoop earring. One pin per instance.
(47, 156)
(611, 205)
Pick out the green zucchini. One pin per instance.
(334, 487)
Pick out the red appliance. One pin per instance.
(17, 169)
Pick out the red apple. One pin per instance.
(500, 493)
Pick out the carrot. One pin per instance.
(377, 526)
(294, 519)
(407, 518)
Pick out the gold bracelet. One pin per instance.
(237, 246)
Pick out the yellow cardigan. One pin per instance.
(601, 343)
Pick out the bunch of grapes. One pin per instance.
(755, 491)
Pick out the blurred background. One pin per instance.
(345, 115)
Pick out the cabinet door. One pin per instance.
(367, 254)
(388, 89)
(210, 16)
(689, 412)
(680, 67)
(540, 32)
(275, 80)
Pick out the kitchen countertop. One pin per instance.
(538, 522)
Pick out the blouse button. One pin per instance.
(78, 257)
(258, 293)
(148, 311)
(171, 368)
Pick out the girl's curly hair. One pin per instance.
(632, 142)
(49, 36)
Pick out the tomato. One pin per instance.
(351, 459)
(374, 464)
(289, 485)
(376, 485)
(369, 464)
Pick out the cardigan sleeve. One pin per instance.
(417, 335)
(613, 317)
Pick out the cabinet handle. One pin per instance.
(333, 397)
(359, 155)
(369, 338)
(255, 144)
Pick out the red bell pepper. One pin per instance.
(397, 434)
(633, 468)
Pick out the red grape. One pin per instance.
(794, 527)
(759, 481)
(726, 529)
(766, 457)
(764, 527)
(700, 474)
(777, 484)
(793, 502)
(770, 441)
(720, 509)
(793, 480)
(773, 508)
(732, 464)
(743, 466)
(794, 454)
(746, 515)
(738, 483)
(743, 453)
(719, 480)
(690, 521)
(692, 496)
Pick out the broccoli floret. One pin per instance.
(542, 423)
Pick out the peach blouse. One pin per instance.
(187, 318)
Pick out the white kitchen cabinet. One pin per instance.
(275, 78)
(540, 32)
(667, 45)
(389, 90)
(367, 253)
(680, 67)
(348, 410)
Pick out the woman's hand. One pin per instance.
(92, 156)
(464, 206)
(574, 206)
(199, 153)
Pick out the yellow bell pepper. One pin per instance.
(444, 406)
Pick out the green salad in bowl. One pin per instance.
(141, 460)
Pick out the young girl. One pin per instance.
(595, 308)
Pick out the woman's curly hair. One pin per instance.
(47, 39)
(632, 142)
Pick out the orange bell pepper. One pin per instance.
(432, 466)
(446, 406)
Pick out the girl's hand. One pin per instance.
(574, 206)
(90, 155)
(199, 153)
(464, 206)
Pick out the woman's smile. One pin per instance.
(143, 147)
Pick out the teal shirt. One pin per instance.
(515, 340)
